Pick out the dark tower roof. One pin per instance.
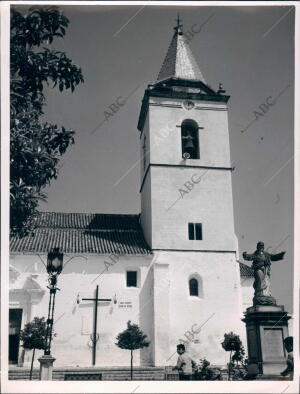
(179, 61)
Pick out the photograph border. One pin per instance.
(9, 386)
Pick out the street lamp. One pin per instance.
(54, 268)
(55, 262)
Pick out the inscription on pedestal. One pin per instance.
(273, 344)
(266, 329)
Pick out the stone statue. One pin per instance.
(261, 264)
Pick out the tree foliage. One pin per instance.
(204, 371)
(132, 338)
(36, 146)
(232, 343)
(33, 335)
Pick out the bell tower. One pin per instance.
(185, 156)
(187, 210)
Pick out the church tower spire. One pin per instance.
(187, 205)
(184, 128)
(179, 61)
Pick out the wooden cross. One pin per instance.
(95, 300)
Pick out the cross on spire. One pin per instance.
(179, 24)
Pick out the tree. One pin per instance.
(131, 339)
(232, 343)
(33, 336)
(204, 371)
(35, 146)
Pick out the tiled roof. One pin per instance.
(245, 270)
(84, 233)
(91, 221)
(179, 61)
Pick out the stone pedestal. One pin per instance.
(46, 367)
(267, 326)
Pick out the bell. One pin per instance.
(189, 147)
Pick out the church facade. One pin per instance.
(173, 268)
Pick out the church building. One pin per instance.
(172, 269)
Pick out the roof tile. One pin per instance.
(246, 271)
(83, 233)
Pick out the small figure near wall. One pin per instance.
(288, 343)
(184, 364)
(261, 264)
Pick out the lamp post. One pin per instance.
(54, 268)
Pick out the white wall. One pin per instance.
(209, 203)
(142, 135)
(147, 354)
(220, 304)
(161, 306)
(146, 213)
(146, 209)
(74, 322)
(247, 292)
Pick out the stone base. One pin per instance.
(88, 373)
(265, 308)
(264, 300)
(46, 367)
(275, 377)
(267, 326)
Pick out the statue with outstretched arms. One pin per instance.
(261, 264)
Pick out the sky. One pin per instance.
(120, 50)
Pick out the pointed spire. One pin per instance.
(179, 61)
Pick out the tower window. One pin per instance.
(131, 279)
(195, 231)
(193, 287)
(190, 139)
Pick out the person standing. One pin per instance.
(288, 343)
(184, 364)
